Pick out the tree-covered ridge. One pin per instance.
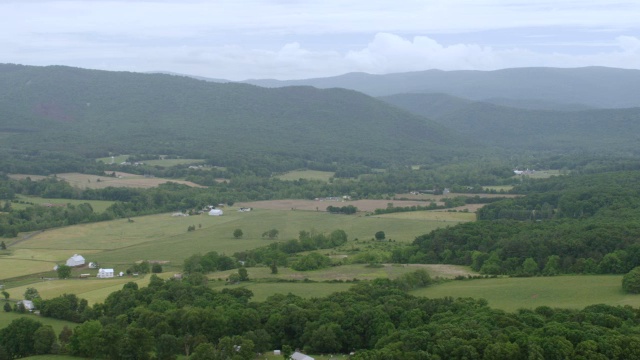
(592, 130)
(92, 113)
(376, 320)
(571, 224)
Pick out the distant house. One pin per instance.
(105, 273)
(215, 212)
(93, 265)
(244, 209)
(179, 214)
(28, 304)
(300, 356)
(75, 260)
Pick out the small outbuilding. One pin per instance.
(105, 273)
(75, 260)
(215, 212)
(28, 304)
(300, 356)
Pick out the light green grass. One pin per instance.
(118, 244)
(511, 294)
(261, 291)
(307, 174)
(348, 272)
(437, 216)
(116, 160)
(98, 206)
(57, 325)
(173, 162)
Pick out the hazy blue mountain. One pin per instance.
(589, 86)
(530, 104)
(93, 112)
(603, 130)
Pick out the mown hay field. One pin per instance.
(85, 181)
(7, 317)
(307, 175)
(511, 294)
(98, 206)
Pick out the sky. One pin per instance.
(297, 39)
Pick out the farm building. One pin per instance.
(215, 212)
(75, 260)
(105, 273)
(28, 304)
(300, 356)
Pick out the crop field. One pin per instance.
(321, 205)
(118, 244)
(350, 272)
(97, 205)
(307, 175)
(444, 216)
(84, 181)
(173, 162)
(511, 294)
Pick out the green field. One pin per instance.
(510, 294)
(97, 205)
(444, 216)
(173, 162)
(118, 244)
(7, 317)
(307, 175)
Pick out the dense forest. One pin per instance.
(377, 320)
(584, 224)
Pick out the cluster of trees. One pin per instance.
(582, 224)
(347, 210)
(211, 261)
(278, 253)
(376, 320)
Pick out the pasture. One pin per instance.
(85, 181)
(510, 294)
(97, 205)
(118, 244)
(307, 175)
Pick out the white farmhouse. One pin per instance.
(75, 260)
(105, 273)
(215, 212)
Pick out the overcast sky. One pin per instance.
(293, 39)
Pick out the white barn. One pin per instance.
(215, 212)
(28, 304)
(105, 273)
(300, 356)
(75, 260)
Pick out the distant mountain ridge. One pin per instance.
(599, 87)
(93, 112)
(595, 130)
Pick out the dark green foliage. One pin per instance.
(312, 261)
(156, 268)
(347, 210)
(93, 113)
(64, 271)
(66, 307)
(31, 294)
(3, 246)
(380, 235)
(237, 233)
(211, 261)
(631, 281)
(271, 234)
(570, 224)
(7, 307)
(18, 338)
(242, 273)
(45, 340)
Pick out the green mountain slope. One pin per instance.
(92, 112)
(601, 130)
(589, 86)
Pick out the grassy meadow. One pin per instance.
(510, 294)
(307, 175)
(97, 205)
(118, 244)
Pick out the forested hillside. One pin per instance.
(597, 130)
(589, 86)
(583, 224)
(92, 113)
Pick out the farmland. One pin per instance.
(510, 294)
(307, 175)
(165, 238)
(24, 201)
(85, 181)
